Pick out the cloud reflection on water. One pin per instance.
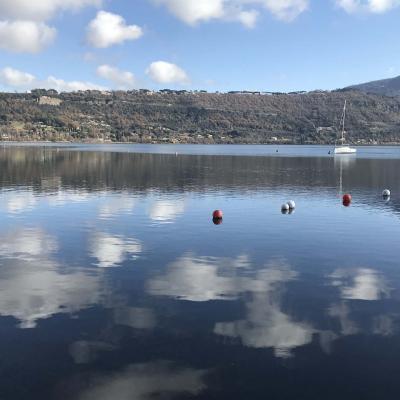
(86, 352)
(115, 206)
(31, 286)
(166, 210)
(341, 311)
(111, 251)
(18, 202)
(204, 279)
(153, 380)
(135, 317)
(27, 244)
(62, 197)
(265, 324)
(360, 284)
(38, 291)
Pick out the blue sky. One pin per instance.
(272, 45)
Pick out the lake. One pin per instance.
(116, 284)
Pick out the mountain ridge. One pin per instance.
(386, 87)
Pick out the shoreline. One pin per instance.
(49, 142)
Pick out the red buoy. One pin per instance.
(347, 198)
(218, 214)
(217, 221)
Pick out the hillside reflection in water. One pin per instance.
(115, 283)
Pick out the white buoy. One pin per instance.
(291, 204)
(285, 207)
(386, 193)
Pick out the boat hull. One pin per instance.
(345, 150)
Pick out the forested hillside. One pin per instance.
(198, 117)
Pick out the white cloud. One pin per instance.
(68, 86)
(41, 10)
(165, 72)
(286, 10)
(381, 6)
(350, 6)
(372, 6)
(22, 25)
(108, 29)
(243, 11)
(193, 11)
(111, 251)
(25, 36)
(248, 18)
(121, 79)
(15, 79)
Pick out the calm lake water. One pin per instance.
(116, 285)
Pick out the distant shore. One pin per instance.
(169, 117)
(107, 143)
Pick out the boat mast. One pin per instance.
(344, 119)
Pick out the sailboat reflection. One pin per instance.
(343, 163)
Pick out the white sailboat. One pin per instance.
(344, 148)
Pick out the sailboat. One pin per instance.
(344, 148)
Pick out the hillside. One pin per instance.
(385, 87)
(197, 117)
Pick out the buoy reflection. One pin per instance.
(217, 221)
(346, 203)
(288, 212)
